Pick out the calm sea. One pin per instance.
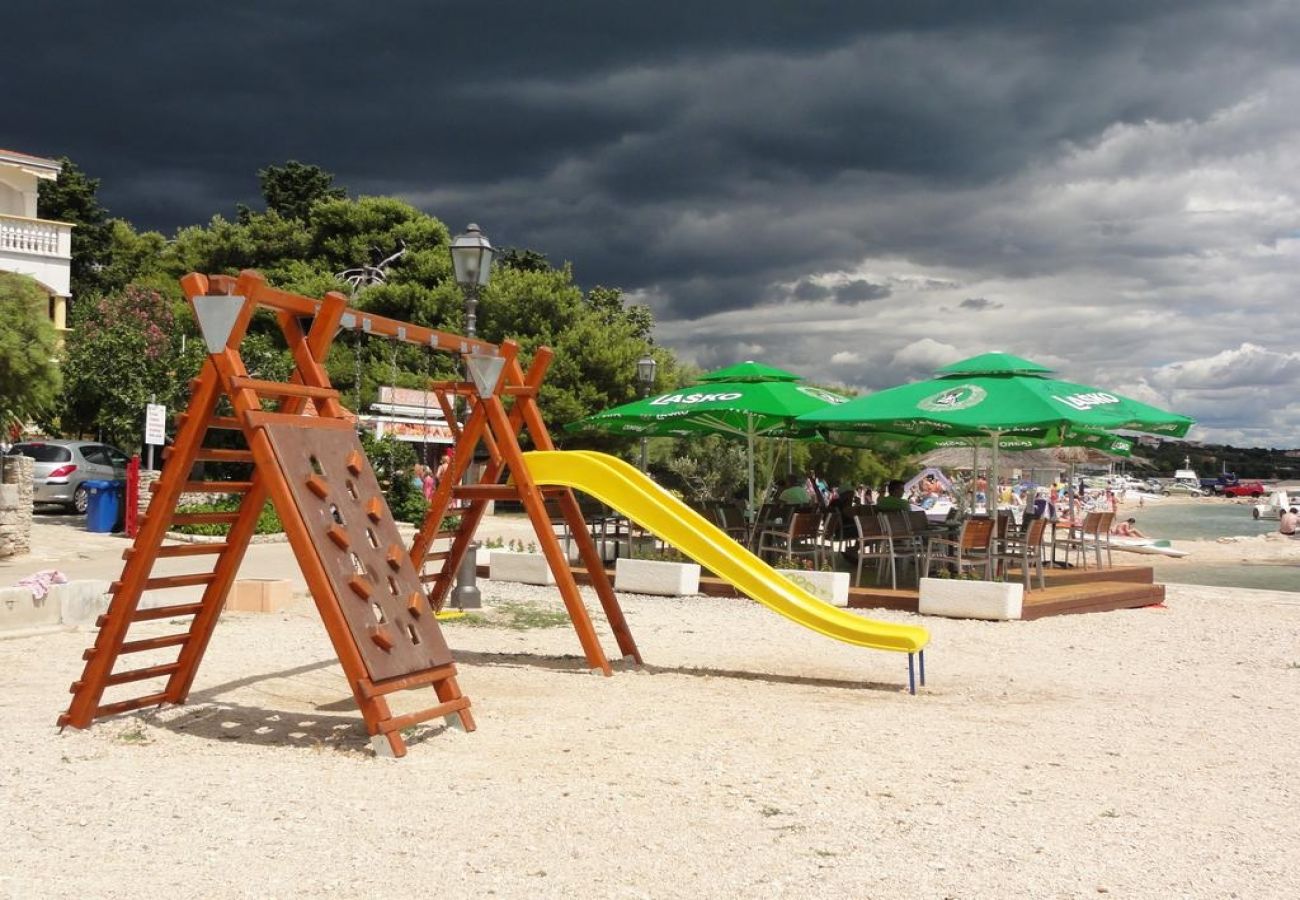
(1206, 521)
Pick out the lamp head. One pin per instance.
(471, 257)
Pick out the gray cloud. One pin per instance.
(826, 185)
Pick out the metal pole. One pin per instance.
(150, 446)
(645, 442)
(467, 594)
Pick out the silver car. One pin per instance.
(61, 468)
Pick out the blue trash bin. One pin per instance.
(101, 506)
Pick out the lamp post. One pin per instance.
(645, 377)
(471, 260)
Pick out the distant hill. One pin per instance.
(1210, 459)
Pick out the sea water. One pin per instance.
(1208, 520)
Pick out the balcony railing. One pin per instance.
(38, 237)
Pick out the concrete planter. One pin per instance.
(525, 568)
(828, 587)
(643, 576)
(959, 599)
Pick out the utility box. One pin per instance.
(266, 595)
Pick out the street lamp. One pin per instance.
(471, 260)
(645, 377)
(471, 257)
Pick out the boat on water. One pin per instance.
(1147, 546)
(1274, 506)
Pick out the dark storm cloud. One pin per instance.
(860, 291)
(707, 156)
(979, 303)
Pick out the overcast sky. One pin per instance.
(857, 191)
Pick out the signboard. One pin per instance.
(412, 431)
(155, 424)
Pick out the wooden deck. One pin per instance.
(1068, 591)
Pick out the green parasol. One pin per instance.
(996, 397)
(760, 405)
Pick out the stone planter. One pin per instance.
(1000, 600)
(526, 568)
(643, 576)
(828, 587)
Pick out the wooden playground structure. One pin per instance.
(377, 605)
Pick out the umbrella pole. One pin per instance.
(992, 498)
(749, 437)
(974, 471)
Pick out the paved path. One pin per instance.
(61, 542)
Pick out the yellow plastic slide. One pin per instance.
(623, 487)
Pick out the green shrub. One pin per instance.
(267, 523)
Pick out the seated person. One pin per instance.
(1289, 522)
(795, 493)
(1127, 529)
(893, 500)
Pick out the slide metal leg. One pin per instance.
(911, 673)
(921, 660)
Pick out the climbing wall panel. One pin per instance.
(363, 555)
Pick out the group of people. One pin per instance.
(809, 489)
(426, 478)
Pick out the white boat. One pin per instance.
(1148, 546)
(1272, 508)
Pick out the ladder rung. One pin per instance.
(163, 612)
(215, 454)
(435, 576)
(282, 388)
(192, 549)
(206, 518)
(519, 390)
(128, 705)
(141, 674)
(221, 423)
(170, 581)
(213, 487)
(436, 555)
(182, 550)
(154, 643)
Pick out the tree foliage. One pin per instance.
(29, 377)
(123, 350)
(291, 190)
(73, 197)
(309, 239)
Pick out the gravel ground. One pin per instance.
(1145, 753)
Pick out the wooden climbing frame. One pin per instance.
(368, 587)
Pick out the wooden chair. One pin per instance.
(1103, 538)
(799, 539)
(1083, 538)
(873, 542)
(972, 547)
(1026, 550)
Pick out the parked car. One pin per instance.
(1243, 489)
(61, 468)
(1191, 489)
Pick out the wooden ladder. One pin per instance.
(400, 648)
(506, 478)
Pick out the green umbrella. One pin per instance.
(997, 396)
(758, 406)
